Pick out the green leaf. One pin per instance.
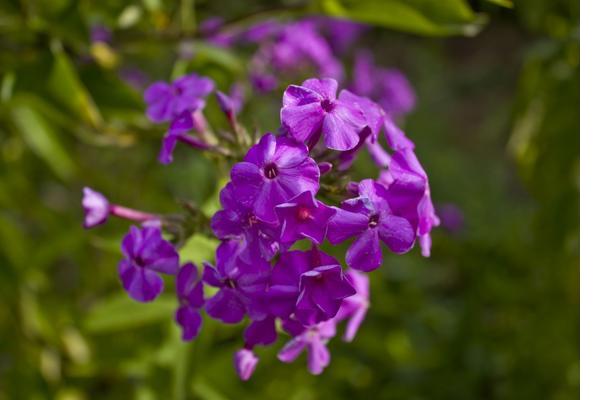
(426, 17)
(121, 312)
(66, 87)
(197, 249)
(502, 3)
(42, 139)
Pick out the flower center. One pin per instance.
(327, 105)
(252, 219)
(230, 283)
(373, 220)
(271, 171)
(303, 213)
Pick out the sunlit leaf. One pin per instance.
(120, 312)
(42, 140)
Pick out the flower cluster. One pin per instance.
(287, 197)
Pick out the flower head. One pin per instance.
(191, 299)
(313, 108)
(322, 290)
(241, 286)
(239, 222)
(314, 340)
(96, 208)
(273, 172)
(146, 255)
(284, 287)
(303, 217)
(369, 218)
(167, 101)
(388, 87)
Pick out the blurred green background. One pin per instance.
(493, 314)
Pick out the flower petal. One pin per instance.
(365, 253)
(141, 284)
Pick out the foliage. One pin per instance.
(492, 314)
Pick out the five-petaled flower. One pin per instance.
(313, 108)
(146, 255)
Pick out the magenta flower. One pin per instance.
(146, 255)
(388, 87)
(303, 217)
(322, 290)
(191, 299)
(177, 132)
(369, 218)
(239, 222)
(312, 109)
(167, 101)
(261, 331)
(354, 308)
(314, 340)
(273, 172)
(241, 286)
(245, 363)
(299, 45)
(408, 172)
(284, 287)
(96, 208)
(395, 137)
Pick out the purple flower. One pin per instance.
(322, 290)
(100, 33)
(395, 137)
(284, 287)
(191, 299)
(261, 331)
(273, 172)
(146, 255)
(177, 132)
(245, 362)
(354, 308)
(134, 77)
(238, 222)
(342, 33)
(302, 42)
(231, 104)
(388, 87)
(241, 286)
(167, 101)
(313, 108)
(303, 217)
(408, 172)
(314, 340)
(96, 208)
(452, 218)
(369, 218)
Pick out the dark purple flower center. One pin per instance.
(373, 220)
(303, 213)
(138, 261)
(230, 283)
(178, 91)
(252, 219)
(271, 171)
(327, 105)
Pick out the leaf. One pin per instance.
(120, 312)
(197, 249)
(65, 85)
(502, 3)
(426, 17)
(42, 139)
